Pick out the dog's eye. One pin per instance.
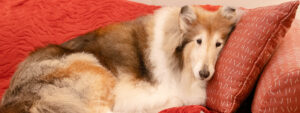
(199, 41)
(218, 44)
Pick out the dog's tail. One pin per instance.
(19, 107)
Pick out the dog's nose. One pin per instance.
(204, 74)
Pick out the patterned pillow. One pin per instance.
(248, 49)
(278, 89)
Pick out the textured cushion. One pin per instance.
(248, 49)
(278, 89)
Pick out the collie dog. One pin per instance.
(154, 62)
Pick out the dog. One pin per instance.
(145, 65)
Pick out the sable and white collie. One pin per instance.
(145, 65)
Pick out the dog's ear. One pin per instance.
(186, 17)
(231, 13)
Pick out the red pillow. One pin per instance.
(278, 89)
(248, 49)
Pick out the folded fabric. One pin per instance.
(186, 109)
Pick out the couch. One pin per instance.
(25, 27)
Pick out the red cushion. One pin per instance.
(248, 49)
(278, 89)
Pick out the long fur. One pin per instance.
(141, 66)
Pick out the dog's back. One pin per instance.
(56, 80)
(76, 78)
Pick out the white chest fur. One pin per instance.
(169, 91)
(142, 97)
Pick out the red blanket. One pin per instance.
(28, 24)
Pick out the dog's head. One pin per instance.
(204, 35)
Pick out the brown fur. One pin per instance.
(214, 22)
(129, 49)
(211, 22)
(104, 86)
(20, 107)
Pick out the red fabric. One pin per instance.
(210, 7)
(278, 89)
(28, 24)
(186, 109)
(248, 49)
